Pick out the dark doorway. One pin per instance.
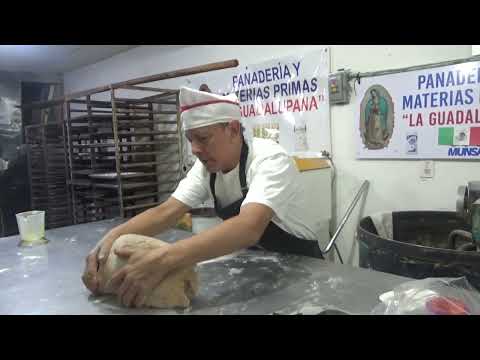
(14, 181)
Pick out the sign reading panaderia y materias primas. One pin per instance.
(426, 114)
(284, 99)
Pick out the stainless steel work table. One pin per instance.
(46, 279)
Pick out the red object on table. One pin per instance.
(440, 305)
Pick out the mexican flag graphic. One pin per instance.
(459, 136)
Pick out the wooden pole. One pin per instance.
(144, 88)
(141, 80)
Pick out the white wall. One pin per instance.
(394, 185)
(475, 50)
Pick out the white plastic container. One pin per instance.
(31, 225)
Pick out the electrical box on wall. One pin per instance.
(339, 87)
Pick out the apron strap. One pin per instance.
(242, 175)
(242, 172)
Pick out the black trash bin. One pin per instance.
(418, 247)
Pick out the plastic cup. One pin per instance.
(31, 225)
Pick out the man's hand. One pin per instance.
(144, 270)
(97, 258)
(148, 223)
(90, 273)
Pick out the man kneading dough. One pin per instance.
(255, 188)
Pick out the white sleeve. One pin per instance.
(273, 183)
(194, 188)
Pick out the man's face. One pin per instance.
(211, 144)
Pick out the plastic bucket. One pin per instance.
(31, 225)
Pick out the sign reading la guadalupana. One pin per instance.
(427, 114)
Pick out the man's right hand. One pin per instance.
(95, 260)
(151, 221)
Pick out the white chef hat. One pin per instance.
(199, 108)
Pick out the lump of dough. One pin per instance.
(176, 290)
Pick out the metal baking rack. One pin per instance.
(47, 168)
(124, 145)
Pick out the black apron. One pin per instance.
(274, 238)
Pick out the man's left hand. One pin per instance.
(144, 270)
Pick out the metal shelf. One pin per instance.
(126, 124)
(140, 196)
(126, 143)
(141, 206)
(96, 147)
(123, 134)
(128, 166)
(105, 118)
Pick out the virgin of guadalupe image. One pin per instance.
(376, 112)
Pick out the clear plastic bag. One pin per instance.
(431, 296)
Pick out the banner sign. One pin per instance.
(425, 114)
(284, 99)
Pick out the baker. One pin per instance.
(255, 188)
